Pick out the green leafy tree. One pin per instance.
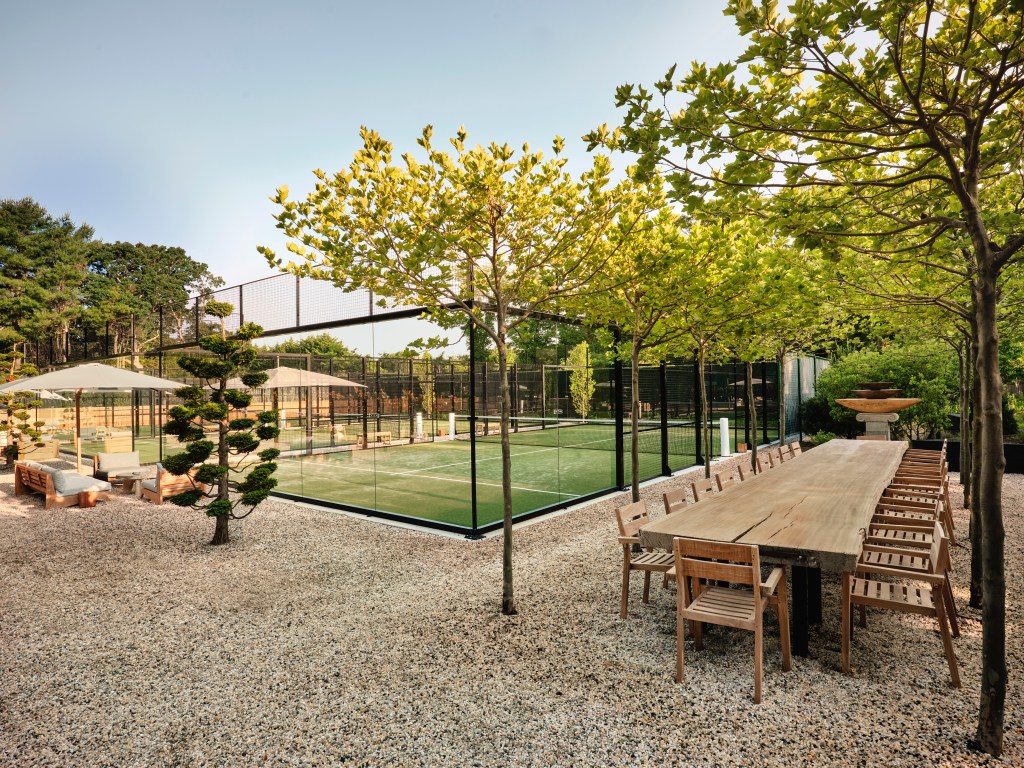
(321, 345)
(209, 404)
(42, 267)
(904, 119)
(581, 378)
(129, 286)
(479, 237)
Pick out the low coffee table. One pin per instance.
(132, 481)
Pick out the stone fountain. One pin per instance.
(876, 403)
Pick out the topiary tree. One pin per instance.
(209, 407)
(15, 412)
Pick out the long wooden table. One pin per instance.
(809, 513)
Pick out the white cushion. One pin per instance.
(111, 462)
(149, 485)
(76, 483)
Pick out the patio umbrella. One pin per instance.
(89, 377)
(281, 377)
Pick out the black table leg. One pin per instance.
(798, 617)
(814, 595)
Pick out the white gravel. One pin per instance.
(316, 638)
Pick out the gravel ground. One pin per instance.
(316, 638)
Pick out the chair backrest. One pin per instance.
(718, 561)
(674, 500)
(631, 518)
(741, 473)
(938, 555)
(702, 488)
(761, 465)
(795, 448)
(770, 459)
(724, 483)
(782, 452)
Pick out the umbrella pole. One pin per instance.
(78, 430)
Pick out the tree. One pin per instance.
(210, 404)
(581, 378)
(128, 287)
(15, 415)
(481, 237)
(42, 265)
(911, 113)
(638, 294)
(321, 345)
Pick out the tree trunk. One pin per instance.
(748, 369)
(705, 427)
(508, 606)
(220, 532)
(634, 419)
(974, 529)
(781, 360)
(989, 492)
(966, 366)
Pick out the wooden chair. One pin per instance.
(631, 518)
(795, 448)
(724, 483)
(762, 465)
(698, 562)
(782, 452)
(702, 488)
(912, 561)
(674, 500)
(165, 485)
(902, 595)
(742, 473)
(899, 492)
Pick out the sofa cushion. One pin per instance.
(110, 462)
(149, 485)
(47, 469)
(76, 483)
(31, 464)
(60, 480)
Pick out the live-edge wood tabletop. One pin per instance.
(812, 510)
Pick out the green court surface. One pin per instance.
(432, 480)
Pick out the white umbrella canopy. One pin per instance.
(88, 377)
(91, 377)
(281, 377)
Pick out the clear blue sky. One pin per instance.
(172, 123)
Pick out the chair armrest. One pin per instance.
(936, 580)
(629, 539)
(769, 585)
(891, 550)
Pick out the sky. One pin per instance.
(173, 123)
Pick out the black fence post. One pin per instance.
(197, 334)
(698, 414)
(241, 305)
(472, 426)
(666, 468)
(620, 443)
(799, 398)
(366, 404)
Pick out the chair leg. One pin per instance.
(782, 609)
(947, 593)
(625, 589)
(947, 640)
(647, 586)
(758, 657)
(680, 635)
(863, 616)
(847, 620)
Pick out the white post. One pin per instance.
(419, 425)
(451, 424)
(723, 434)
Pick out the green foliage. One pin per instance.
(322, 345)
(1010, 425)
(927, 371)
(210, 407)
(581, 378)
